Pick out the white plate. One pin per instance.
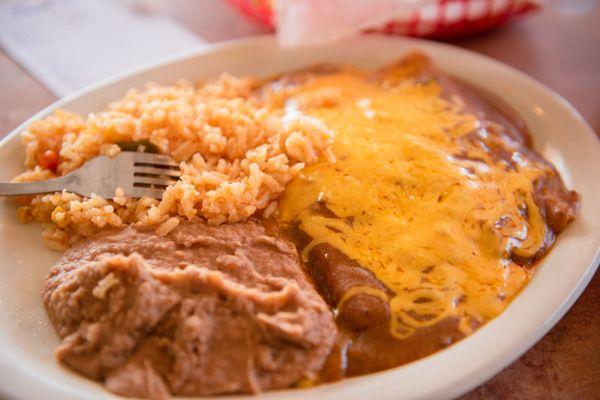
(27, 341)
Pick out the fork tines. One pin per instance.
(154, 171)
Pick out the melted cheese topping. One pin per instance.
(434, 215)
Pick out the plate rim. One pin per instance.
(485, 371)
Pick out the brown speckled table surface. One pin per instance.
(563, 52)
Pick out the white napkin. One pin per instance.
(69, 44)
(314, 22)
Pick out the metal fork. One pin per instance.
(138, 174)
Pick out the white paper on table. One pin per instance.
(69, 44)
(315, 22)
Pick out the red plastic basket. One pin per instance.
(438, 19)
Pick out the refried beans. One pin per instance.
(206, 310)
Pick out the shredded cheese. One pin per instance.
(431, 213)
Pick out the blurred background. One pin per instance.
(68, 44)
(51, 48)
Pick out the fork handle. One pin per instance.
(40, 187)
